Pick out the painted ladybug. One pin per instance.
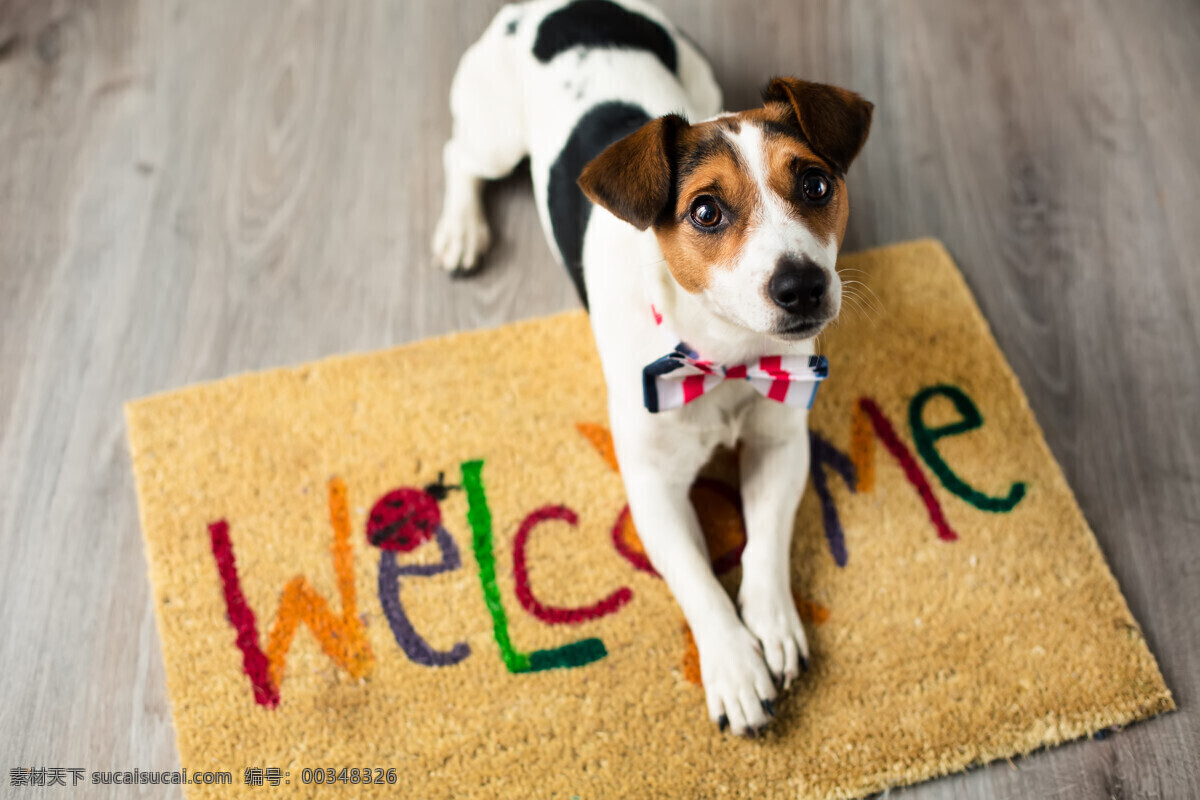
(405, 518)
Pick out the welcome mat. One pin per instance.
(413, 572)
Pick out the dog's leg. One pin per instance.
(488, 140)
(737, 684)
(774, 471)
(462, 233)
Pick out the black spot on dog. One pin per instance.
(601, 23)
(569, 208)
(511, 27)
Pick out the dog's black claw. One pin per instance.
(751, 733)
(768, 707)
(722, 723)
(803, 663)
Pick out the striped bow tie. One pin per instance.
(680, 377)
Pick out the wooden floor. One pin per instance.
(192, 189)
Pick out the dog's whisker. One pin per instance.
(871, 302)
(864, 311)
(852, 271)
(858, 305)
(868, 289)
(867, 311)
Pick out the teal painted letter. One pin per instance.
(926, 441)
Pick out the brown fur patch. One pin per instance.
(787, 159)
(632, 177)
(730, 123)
(708, 165)
(834, 121)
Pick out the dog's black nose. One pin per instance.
(798, 286)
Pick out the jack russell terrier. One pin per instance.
(704, 245)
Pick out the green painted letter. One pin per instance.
(926, 438)
(479, 517)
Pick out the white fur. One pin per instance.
(507, 105)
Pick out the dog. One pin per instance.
(704, 245)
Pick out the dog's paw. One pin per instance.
(461, 237)
(737, 685)
(772, 618)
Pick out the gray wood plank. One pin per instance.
(193, 189)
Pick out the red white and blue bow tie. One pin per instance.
(680, 377)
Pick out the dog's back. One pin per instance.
(558, 82)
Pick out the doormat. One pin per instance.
(413, 572)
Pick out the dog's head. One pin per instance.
(750, 208)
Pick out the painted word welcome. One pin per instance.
(407, 518)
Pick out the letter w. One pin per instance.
(341, 637)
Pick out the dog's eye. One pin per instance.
(816, 185)
(706, 213)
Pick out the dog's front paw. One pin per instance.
(461, 237)
(772, 617)
(737, 684)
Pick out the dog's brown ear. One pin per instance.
(633, 177)
(835, 121)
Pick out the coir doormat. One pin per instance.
(413, 573)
